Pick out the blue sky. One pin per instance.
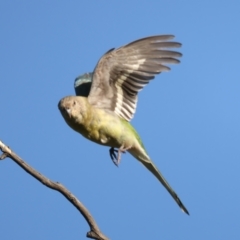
(188, 120)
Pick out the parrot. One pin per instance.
(102, 110)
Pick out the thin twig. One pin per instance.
(94, 232)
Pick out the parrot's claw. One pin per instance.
(112, 152)
(116, 158)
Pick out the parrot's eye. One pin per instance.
(74, 103)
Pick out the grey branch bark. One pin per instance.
(94, 232)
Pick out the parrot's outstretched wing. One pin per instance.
(82, 84)
(121, 73)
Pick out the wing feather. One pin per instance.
(121, 73)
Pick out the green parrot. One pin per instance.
(103, 115)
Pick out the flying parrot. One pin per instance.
(102, 109)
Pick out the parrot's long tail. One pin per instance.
(147, 162)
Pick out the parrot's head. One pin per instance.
(74, 110)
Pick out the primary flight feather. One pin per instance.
(103, 114)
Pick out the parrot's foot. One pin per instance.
(116, 158)
(113, 154)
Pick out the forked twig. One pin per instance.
(94, 232)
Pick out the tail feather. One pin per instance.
(147, 162)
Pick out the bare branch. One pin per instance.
(94, 232)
